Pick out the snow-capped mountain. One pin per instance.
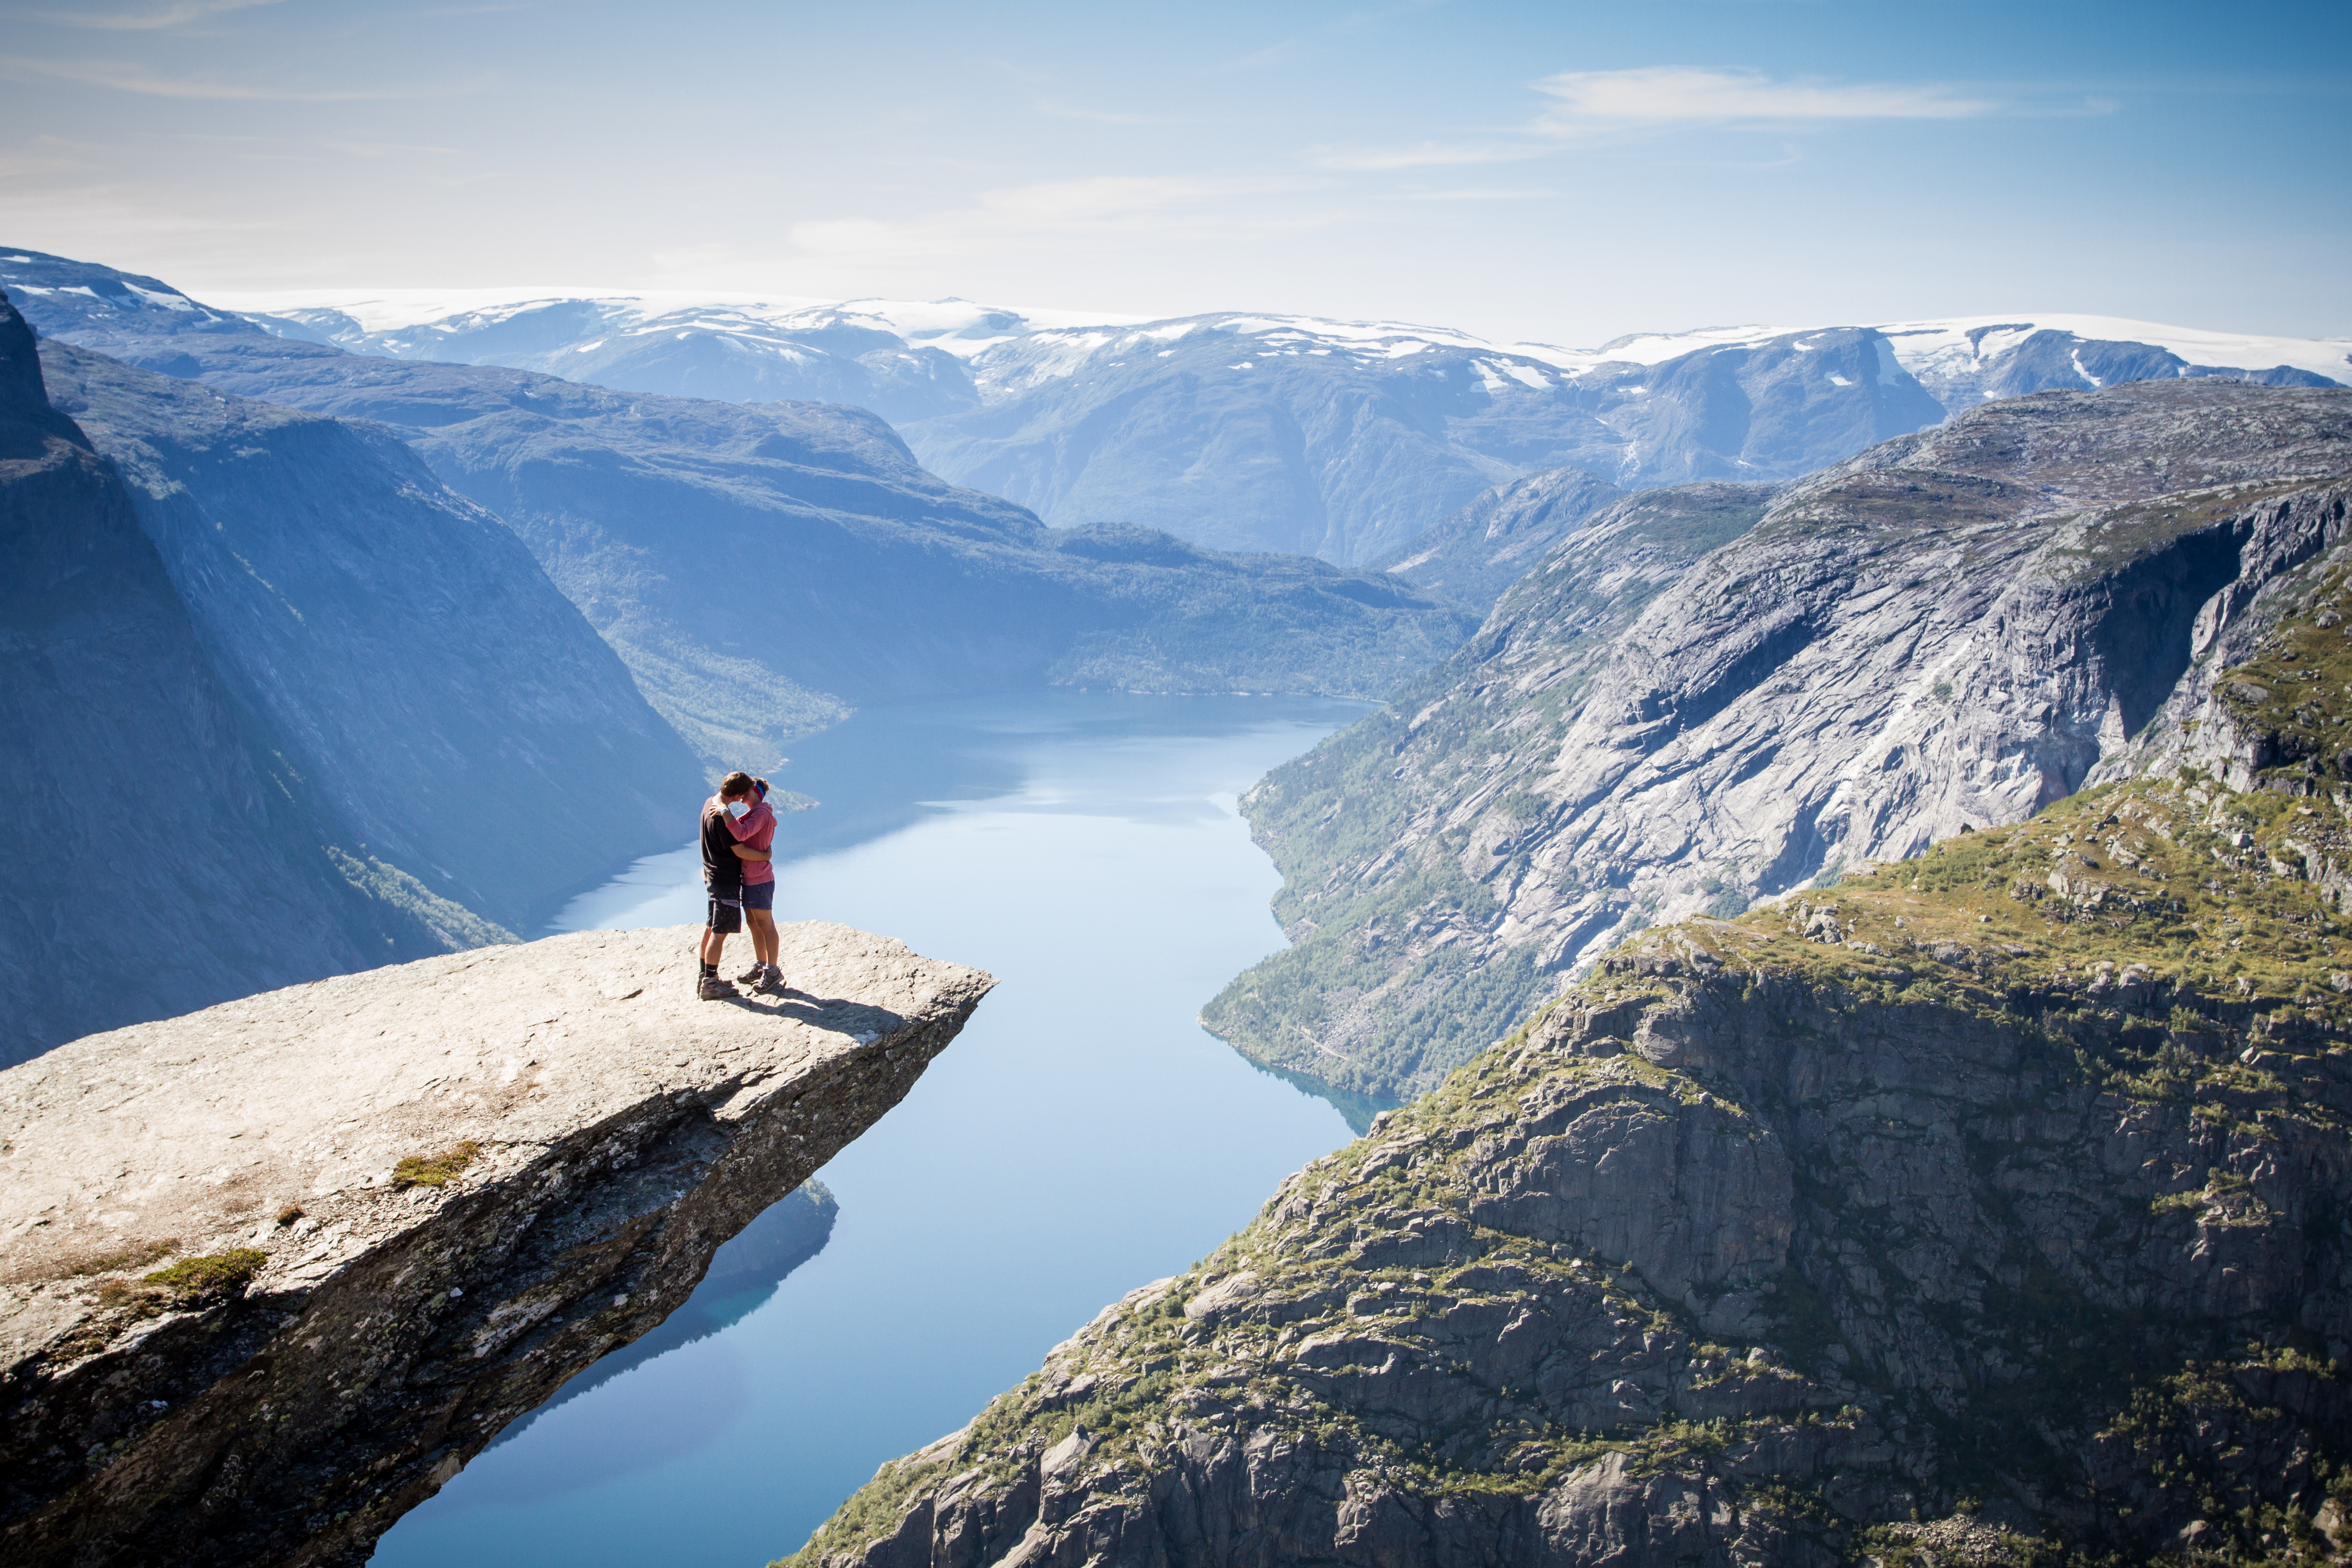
(1343, 439)
(901, 359)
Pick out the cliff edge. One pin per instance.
(271, 1272)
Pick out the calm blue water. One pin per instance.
(1082, 1136)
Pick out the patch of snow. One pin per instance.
(1487, 378)
(2077, 357)
(1657, 348)
(1890, 371)
(590, 347)
(180, 302)
(1917, 342)
(1836, 380)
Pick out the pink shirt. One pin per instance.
(756, 828)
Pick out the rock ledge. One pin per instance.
(348, 1335)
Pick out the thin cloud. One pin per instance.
(143, 21)
(1064, 212)
(1475, 193)
(1423, 155)
(1690, 95)
(1095, 116)
(122, 77)
(387, 149)
(1591, 107)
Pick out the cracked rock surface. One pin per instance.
(271, 1272)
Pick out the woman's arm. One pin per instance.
(746, 852)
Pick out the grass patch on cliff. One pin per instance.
(2159, 905)
(192, 1282)
(434, 1170)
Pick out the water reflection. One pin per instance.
(1082, 1135)
(742, 1275)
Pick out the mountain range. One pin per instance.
(1248, 432)
(761, 568)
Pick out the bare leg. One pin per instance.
(765, 943)
(714, 942)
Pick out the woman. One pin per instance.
(755, 835)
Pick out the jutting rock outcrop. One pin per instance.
(1954, 628)
(275, 1271)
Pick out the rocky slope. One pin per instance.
(1488, 545)
(140, 788)
(426, 682)
(1952, 629)
(758, 568)
(274, 1271)
(1988, 1209)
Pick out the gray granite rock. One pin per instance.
(428, 1196)
(1950, 629)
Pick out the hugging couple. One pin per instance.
(738, 834)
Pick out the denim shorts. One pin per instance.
(759, 894)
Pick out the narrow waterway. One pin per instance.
(1083, 1136)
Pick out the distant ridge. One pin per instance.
(1268, 431)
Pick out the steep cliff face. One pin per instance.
(429, 683)
(1988, 1209)
(1952, 629)
(272, 1272)
(140, 791)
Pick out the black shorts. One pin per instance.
(727, 910)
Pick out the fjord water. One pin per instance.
(1082, 1136)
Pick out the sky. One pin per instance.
(1563, 172)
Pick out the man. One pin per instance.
(722, 874)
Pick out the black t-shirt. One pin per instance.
(720, 866)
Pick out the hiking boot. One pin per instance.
(716, 987)
(750, 977)
(771, 980)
